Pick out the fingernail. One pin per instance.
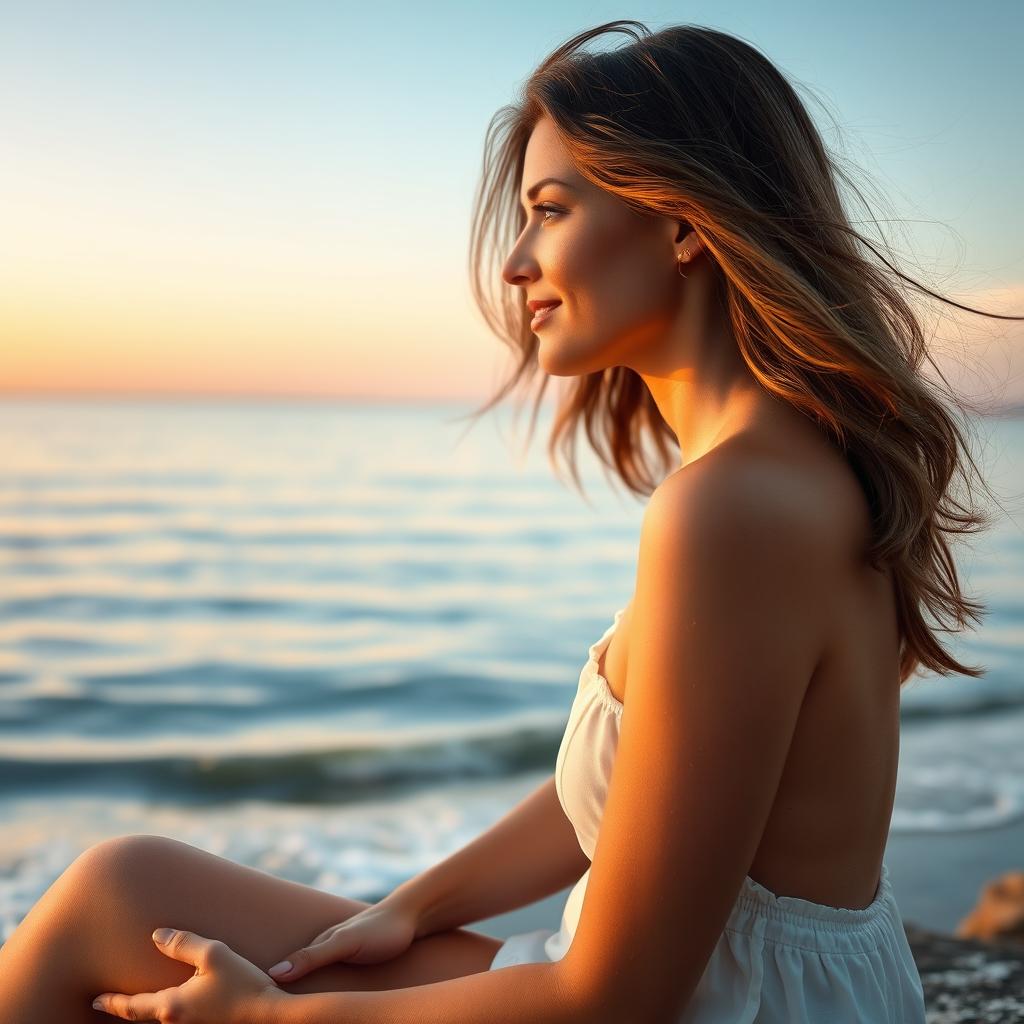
(97, 1004)
(282, 968)
(162, 934)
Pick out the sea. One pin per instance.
(337, 640)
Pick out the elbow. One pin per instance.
(589, 1000)
(582, 1001)
(594, 999)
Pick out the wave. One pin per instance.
(343, 774)
(964, 705)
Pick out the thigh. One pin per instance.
(127, 886)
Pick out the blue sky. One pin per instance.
(204, 195)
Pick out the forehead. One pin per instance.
(545, 156)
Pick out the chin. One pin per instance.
(562, 361)
(552, 367)
(555, 357)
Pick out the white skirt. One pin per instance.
(784, 960)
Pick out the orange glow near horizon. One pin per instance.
(150, 340)
(155, 340)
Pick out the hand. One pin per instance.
(225, 988)
(379, 932)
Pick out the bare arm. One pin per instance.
(539, 993)
(528, 854)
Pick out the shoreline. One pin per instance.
(937, 877)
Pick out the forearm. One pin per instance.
(527, 855)
(534, 993)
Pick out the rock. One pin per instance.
(999, 914)
(968, 980)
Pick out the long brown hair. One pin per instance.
(698, 125)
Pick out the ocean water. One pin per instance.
(336, 642)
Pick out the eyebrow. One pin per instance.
(532, 191)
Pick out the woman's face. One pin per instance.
(612, 270)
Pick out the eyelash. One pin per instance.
(546, 209)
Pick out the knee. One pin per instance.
(101, 879)
(115, 862)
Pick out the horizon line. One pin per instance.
(1013, 407)
(107, 394)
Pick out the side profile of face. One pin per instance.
(612, 270)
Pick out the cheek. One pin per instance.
(624, 254)
(616, 296)
(627, 291)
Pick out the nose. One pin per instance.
(519, 269)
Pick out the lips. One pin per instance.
(543, 313)
(538, 304)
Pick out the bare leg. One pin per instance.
(90, 931)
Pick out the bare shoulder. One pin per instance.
(749, 495)
(756, 536)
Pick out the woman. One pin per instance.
(679, 251)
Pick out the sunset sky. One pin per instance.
(274, 198)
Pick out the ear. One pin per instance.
(681, 236)
(688, 237)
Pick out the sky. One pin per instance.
(210, 197)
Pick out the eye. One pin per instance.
(546, 210)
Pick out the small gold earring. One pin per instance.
(684, 255)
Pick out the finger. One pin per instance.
(307, 959)
(290, 965)
(187, 947)
(327, 933)
(143, 1006)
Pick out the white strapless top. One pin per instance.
(583, 769)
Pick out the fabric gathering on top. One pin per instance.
(780, 959)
